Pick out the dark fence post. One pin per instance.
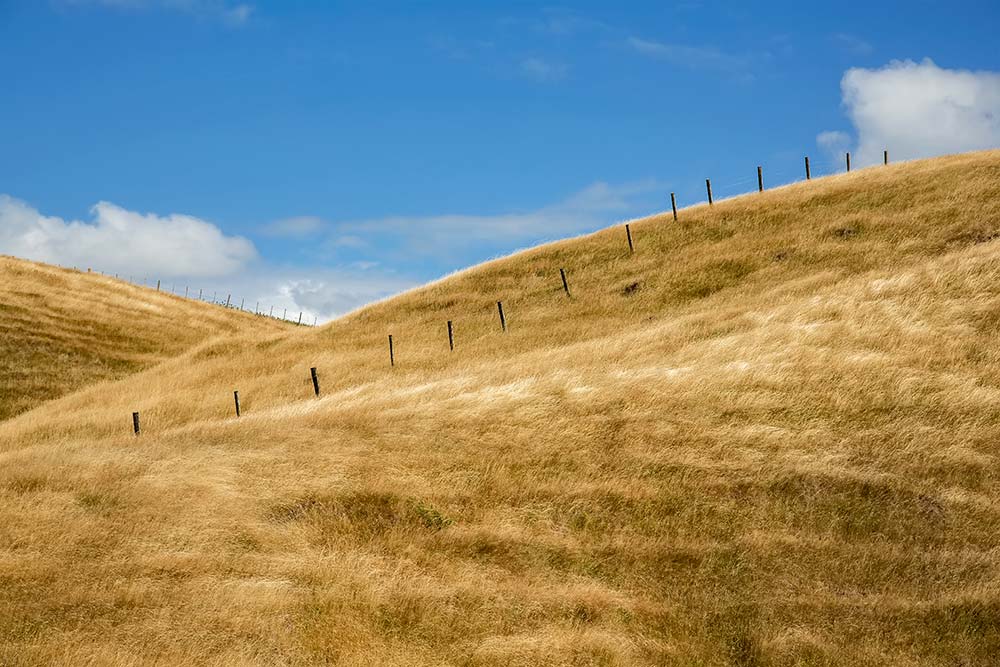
(271, 314)
(760, 179)
(392, 352)
(562, 274)
(673, 205)
(451, 337)
(708, 186)
(157, 284)
(503, 320)
(848, 161)
(243, 300)
(135, 422)
(315, 379)
(185, 291)
(885, 157)
(284, 315)
(236, 398)
(228, 298)
(628, 235)
(300, 318)
(808, 176)
(199, 294)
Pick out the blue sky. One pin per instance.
(318, 155)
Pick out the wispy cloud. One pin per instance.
(852, 44)
(230, 13)
(442, 243)
(299, 227)
(543, 70)
(693, 57)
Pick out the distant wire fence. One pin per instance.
(565, 287)
(203, 297)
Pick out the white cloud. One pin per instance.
(543, 70)
(186, 252)
(921, 110)
(122, 241)
(320, 294)
(183, 251)
(834, 142)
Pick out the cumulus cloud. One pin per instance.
(185, 252)
(921, 110)
(122, 241)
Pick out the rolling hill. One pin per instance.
(768, 436)
(62, 329)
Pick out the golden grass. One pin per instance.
(62, 329)
(768, 437)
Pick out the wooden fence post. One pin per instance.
(236, 398)
(848, 154)
(562, 274)
(228, 299)
(808, 176)
(243, 300)
(185, 291)
(628, 235)
(392, 352)
(315, 379)
(157, 284)
(451, 337)
(760, 179)
(284, 315)
(503, 320)
(708, 186)
(673, 205)
(271, 314)
(885, 157)
(135, 422)
(199, 294)
(300, 318)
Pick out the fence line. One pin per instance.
(808, 172)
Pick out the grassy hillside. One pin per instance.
(767, 437)
(61, 330)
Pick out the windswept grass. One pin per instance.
(61, 330)
(767, 438)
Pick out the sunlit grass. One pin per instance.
(768, 437)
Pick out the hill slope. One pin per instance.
(767, 437)
(61, 330)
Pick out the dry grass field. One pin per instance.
(770, 436)
(61, 330)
